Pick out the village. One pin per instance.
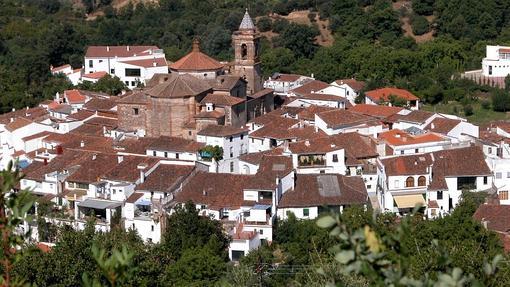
(246, 150)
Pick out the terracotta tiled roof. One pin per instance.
(375, 110)
(196, 61)
(339, 118)
(127, 169)
(134, 197)
(284, 128)
(256, 157)
(81, 115)
(137, 146)
(95, 75)
(65, 161)
(397, 137)
(92, 130)
(384, 94)
(418, 117)
(74, 97)
(178, 86)
(309, 113)
(175, 144)
(222, 100)
(165, 177)
(415, 164)
(35, 114)
(442, 125)
(496, 216)
(119, 51)
(325, 189)
(353, 83)
(103, 122)
(18, 123)
(323, 97)
(73, 141)
(93, 167)
(225, 82)
(60, 68)
(216, 190)
(36, 136)
(221, 131)
(148, 63)
(356, 145)
(98, 104)
(310, 87)
(262, 93)
(135, 98)
(469, 161)
(271, 168)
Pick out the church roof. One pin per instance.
(196, 61)
(178, 86)
(247, 23)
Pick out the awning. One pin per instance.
(409, 201)
(99, 204)
(143, 201)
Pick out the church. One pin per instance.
(200, 91)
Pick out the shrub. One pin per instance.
(264, 24)
(468, 110)
(420, 25)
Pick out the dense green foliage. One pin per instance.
(369, 43)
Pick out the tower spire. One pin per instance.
(247, 22)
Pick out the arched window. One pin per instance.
(244, 51)
(410, 182)
(422, 181)
(246, 169)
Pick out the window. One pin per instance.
(306, 212)
(439, 195)
(335, 158)
(100, 61)
(127, 83)
(499, 175)
(369, 186)
(244, 51)
(401, 152)
(508, 174)
(490, 150)
(112, 71)
(503, 195)
(415, 150)
(166, 154)
(410, 182)
(485, 180)
(153, 153)
(252, 140)
(177, 155)
(242, 136)
(133, 83)
(132, 72)
(261, 231)
(422, 181)
(133, 226)
(152, 227)
(189, 133)
(135, 111)
(91, 64)
(231, 166)
(231, 152)
(231, 139)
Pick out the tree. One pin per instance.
(507, 83)
(264, 24)
(420, 25)
(277, 60)
(186, 223)
(423, 7)
(298, 38)
(500, 100)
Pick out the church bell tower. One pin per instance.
(246, 42)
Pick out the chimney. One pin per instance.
(108, 49)
(204, 193)
(432, 125)
(12, 120)
(311, 76)
(82, 143)
(154, 64)
(94, 156)
(120, 158)
(307, 143)
(127, 48)
(141, 168)
(13, 109)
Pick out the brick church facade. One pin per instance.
(200, 91)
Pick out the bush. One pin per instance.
(468, 110)
(420, 25)
(486, 104)
(264, 24)
(280, 25)
(311, 17)
(500, 101)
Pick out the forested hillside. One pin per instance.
(369, 42)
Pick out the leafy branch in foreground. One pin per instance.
(384, 261)
(14, 207)
(115, 269)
